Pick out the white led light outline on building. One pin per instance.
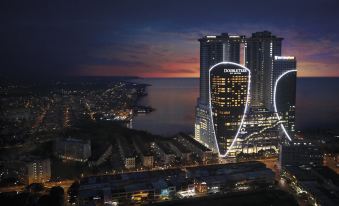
(275, 101)
(246, 105)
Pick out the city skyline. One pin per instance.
(159, 39)
(169, 103)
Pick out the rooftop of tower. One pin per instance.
(227, 36)
(264, 34)
(222, 36)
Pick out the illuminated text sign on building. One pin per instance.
(235, 70)
(284, 57)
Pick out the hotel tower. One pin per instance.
(221, 122)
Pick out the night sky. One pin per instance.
(156, 38)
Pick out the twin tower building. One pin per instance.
(247, 94)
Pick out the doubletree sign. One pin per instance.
(235, 70)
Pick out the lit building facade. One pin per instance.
(282, 64)
(38, 171)
(213, 49)
(229, 96)
(203, 129)
(260, 133)
(284, 97)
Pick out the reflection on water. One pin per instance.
(175, 99)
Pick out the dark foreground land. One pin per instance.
(268, 197)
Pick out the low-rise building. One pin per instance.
(127, 152)
(159, 185)
(98, 159)
(205, 154)
(299, 153)
(73, 149)
(163, 150)
(181, 151)
(144, 151)
(316, 185)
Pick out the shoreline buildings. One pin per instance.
(270, 117)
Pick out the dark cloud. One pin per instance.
(64, 37)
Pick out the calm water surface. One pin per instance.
(175, 99)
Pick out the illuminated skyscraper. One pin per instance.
(284, 95)
(261, 48)
(264, 129)
(213, 49)
(282, 64)
(261, 54)
(229, 96)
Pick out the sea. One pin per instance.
(174, 101)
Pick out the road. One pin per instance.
(20, 188)
(269, 162)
